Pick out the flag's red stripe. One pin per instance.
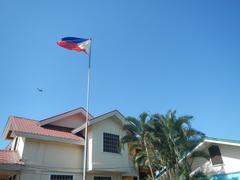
(70, 46)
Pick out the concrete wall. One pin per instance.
(43, 176)
(231, 161)
(52, 154)
(46, 176)
(44, 158)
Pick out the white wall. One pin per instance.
(231, 161)
(31, 175)
(109, 161)
(231, 158)
(90, 149)
(19, 146)
(64, 157)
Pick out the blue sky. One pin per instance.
(146, 56)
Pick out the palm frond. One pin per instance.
(131, 128)
(128, 138)
(200, 154)
(143, 117)
(184, 120)
(133, 121)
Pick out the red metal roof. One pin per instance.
(32, 126)
(9, 157)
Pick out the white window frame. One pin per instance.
(62, 174)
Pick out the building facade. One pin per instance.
(52, 149)
(224, 162)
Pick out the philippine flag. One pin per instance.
(77, 44)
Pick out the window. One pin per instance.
(61, 177)
(101, 178)
(215, 155)
(111, 143)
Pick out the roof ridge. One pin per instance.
(19, 117)
(223, 139)
(51, 130)
(56, 115)
(114, 110)
(93, 120)
(32, 127)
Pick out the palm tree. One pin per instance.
(162, 143)
(138, 135)
(175, 138)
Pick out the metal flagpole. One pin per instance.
(87, 116)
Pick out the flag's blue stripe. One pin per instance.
(74, 39)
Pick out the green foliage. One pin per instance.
(139, 136)
(163, 142)
(200, 176)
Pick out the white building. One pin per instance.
(224, 160)
(53, 148)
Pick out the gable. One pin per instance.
(227, 156)
(114, 115)
(71, 119)
(110, 124)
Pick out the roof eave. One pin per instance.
(65, 114)
(74, 131)
(11, 167)
(49, 138)
(100, 118)
(213, 140)
(7, 128)
(222, 141)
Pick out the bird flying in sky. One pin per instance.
(39, 90)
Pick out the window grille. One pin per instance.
(111, 143)
(61, 177)
(101, 178)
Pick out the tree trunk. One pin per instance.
(149, 162)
